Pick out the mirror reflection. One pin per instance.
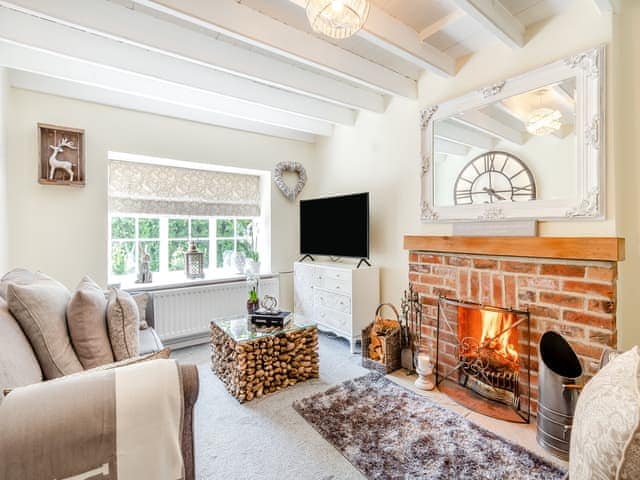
(516, 149)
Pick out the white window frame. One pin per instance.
(263, 222)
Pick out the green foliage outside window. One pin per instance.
(123, 257)
(177, 249)
(149, 228)
(199, 228)
(178, 228)
(223, 246)
(153, 249)
(244, 227)
(123, 227)
(224, 228)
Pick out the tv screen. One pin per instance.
(335, 226)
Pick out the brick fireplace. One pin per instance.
(567, 284)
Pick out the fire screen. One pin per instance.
(483, 358)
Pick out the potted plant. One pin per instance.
(253, 303)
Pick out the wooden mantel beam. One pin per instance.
(610, 249)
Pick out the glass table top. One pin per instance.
(242, 330)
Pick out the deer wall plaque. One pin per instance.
(61, 156)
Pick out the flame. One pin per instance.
(494, 324)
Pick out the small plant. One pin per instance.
(253, 295)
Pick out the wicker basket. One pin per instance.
(391, 344)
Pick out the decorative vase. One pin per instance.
(252, 267)
(238, 261)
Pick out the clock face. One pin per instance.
(494, 177)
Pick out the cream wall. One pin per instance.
(63, 230)
(4, 207)
(381, 153)
(626, 137)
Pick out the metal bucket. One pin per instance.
(559, 384)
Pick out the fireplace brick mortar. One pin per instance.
(573, 297)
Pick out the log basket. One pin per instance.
(390, 339)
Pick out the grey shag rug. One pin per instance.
(389, 432)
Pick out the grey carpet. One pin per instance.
(391, 433)
(266, 438)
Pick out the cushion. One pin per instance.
(86, 316)
(605, 440)
(40, 308)
(18, 363)
(19, 276)
(123, 323)
(141, 300)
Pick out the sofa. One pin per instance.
(21, 376)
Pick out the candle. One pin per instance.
(424, 362)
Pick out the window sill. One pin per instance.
(175, 281)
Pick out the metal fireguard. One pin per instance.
(474, 374)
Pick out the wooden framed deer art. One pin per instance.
(61, 156)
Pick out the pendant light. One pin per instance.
(337, 19)
(544, 121)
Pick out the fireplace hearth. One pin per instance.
(483, 358)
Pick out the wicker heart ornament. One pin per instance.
(295, 167)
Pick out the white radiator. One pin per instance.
(186, 312)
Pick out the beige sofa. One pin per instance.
(19, 367)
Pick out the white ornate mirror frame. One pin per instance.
(588, 68)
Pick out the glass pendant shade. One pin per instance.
(337, 18)
(544, 121)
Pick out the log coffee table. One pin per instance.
(254, 361)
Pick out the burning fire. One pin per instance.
(495, 334)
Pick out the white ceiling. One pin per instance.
(250, 64)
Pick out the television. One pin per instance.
(335, 226)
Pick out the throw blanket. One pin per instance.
(119, 424)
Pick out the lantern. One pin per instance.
(194, 262)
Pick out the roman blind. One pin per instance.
(143, 188)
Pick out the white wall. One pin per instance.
(381, 153)
(63, 230)
(4, 207)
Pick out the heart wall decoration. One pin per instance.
(294, 167)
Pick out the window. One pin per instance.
(166, 238)
(159, 206)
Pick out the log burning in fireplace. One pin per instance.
(485, 350)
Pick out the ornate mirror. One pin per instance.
(527, 147)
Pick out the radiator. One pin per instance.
(186, 312)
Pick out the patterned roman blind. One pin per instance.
(137, 188)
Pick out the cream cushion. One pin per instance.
(87, 319)
(18, 276)
(40, 308)
(123, 323)
(18, 363)
(605, 439)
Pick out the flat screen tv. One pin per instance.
(335, 226)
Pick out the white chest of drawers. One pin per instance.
(340, 298)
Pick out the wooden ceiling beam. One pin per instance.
(441, 24)
(495, 18)
(45, 63)
(113, 21)
(88, 93)
(397, 38)
(242, 23)
(35, 32)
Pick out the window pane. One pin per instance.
(123, 227)
(123, 258)
(203, 247)
(223, 246)
(149, 227)
(177, 249)
(224, 228)
(153, 249)
(178, 228)
(244, 227)
(244, 247)
(200, 228)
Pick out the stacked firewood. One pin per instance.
(255, 368)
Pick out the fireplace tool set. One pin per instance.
(411, 326)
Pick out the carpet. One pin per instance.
(389, 432)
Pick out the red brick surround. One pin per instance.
(576, 298)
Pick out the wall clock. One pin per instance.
(494, 177)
